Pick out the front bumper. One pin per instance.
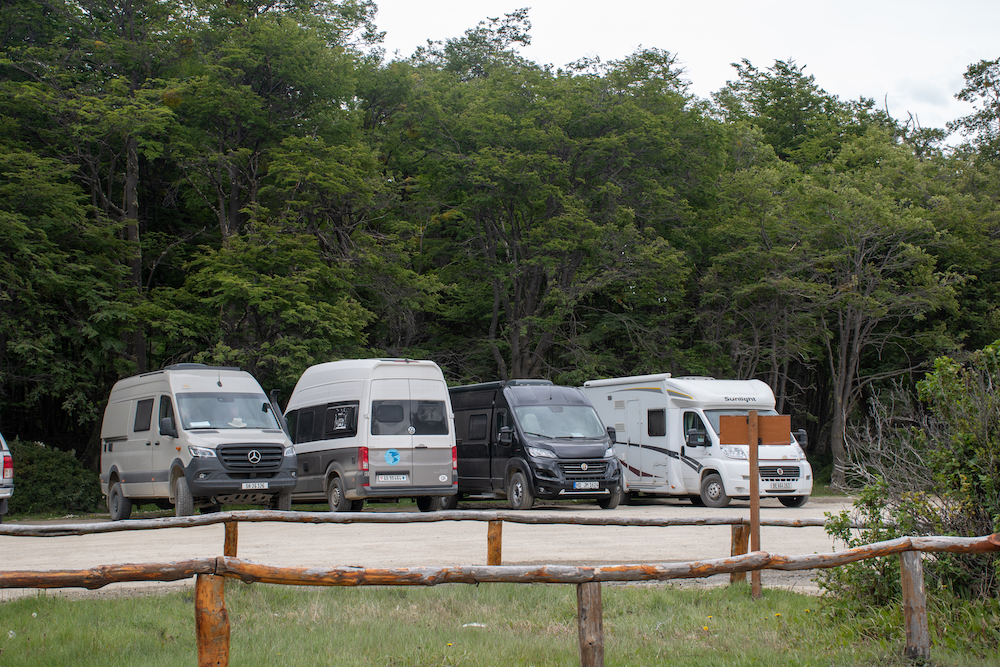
(557, 478)
(776, 478)
(208, 477)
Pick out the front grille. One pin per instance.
(575, 470)
(238, 457)
(778, 473)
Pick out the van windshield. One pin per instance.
(560, 421)
(224, 411)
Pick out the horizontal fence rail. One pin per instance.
(212, 622)
(258, 516)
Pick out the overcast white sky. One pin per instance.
(909, 55)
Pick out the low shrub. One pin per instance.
(48, 480)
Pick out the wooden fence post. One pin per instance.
(740, 542)
(755, 591)
(590, 620)
(232, 538)
(211, 621)
(494, 543)
(918, 637)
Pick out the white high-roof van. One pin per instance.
(373, 428)
(193, 436)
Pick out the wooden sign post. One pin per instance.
(754, 430)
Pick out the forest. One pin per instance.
(255, 183)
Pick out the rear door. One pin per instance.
(411, 440)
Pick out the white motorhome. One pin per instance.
(193, 436)
(373, 428)
(667, 437)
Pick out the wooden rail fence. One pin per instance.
(212, 621)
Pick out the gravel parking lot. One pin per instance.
(446, 543)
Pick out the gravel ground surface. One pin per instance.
(446, 543)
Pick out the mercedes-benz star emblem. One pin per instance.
(253, 456)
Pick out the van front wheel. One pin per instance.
(713, 493)
(119, 506)
(183, 502)
(519, 493)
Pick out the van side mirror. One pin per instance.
(167, 427)
(506, 435)
(801, 437)
(612, 434)
(696, 438)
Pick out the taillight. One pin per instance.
(363, 458)
(8, 467)
(454, 458)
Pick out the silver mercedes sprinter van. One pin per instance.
(193, 436)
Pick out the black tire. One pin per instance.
(610, 502)
(696, 501)
(357, 505)
(519, 494)
(713, 492)
(335, 495)
(183, 501)
(793, 501)
(282, 502)
(119, 506)
(427, 503)
(448, 502)
(627, 498)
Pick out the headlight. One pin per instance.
(289, 451)
(609, 453)
(734, 452)
(798, 450)
(202, 452)
(539, 453)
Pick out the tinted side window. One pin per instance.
(341, 421)
(478, 427)
(656, 422)
(143, 415)
(166, 410)
(304, 429)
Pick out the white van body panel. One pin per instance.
(147, 461)
(655, 455)
(386, 399)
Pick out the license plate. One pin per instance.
(586, 485)
(776, 486)
(391, 478)
(253, 486)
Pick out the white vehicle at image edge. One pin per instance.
(193, 436)
(667, 438)
(373, 428)
(7, 481)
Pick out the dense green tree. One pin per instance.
(982, 90)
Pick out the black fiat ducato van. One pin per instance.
(528, 439)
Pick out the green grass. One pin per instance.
(484, 625)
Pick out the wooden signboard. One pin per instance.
(771, 430)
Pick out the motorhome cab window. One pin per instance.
(409, 418)
(224, 411)
(143, 415)
(693, 421)
(560, 421)
(656, 422)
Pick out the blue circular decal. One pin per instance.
(392, 457)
